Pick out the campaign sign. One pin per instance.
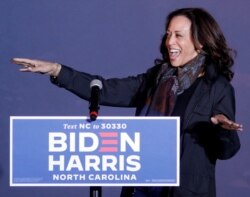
(111, 151)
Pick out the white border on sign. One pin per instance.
(87, 118)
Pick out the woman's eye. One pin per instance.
(167, 35)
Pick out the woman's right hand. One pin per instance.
(38, 66)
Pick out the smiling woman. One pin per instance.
(196, 31)
(192, 81)
(179, 41)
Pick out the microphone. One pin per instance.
(95, 86)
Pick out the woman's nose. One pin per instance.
(170, 40)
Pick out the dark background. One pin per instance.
(113, 38)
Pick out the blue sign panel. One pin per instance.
(111, 151)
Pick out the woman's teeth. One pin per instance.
(174, 53)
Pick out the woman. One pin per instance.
(191, 81)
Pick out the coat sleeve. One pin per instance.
(117, 92)
(227, 141)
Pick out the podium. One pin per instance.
(111, 151)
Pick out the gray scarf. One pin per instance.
(172, 82)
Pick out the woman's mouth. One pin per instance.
(174, 53)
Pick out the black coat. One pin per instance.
(202, 143)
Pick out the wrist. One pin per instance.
(56, 70)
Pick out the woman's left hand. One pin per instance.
(225, 123)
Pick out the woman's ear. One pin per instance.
(199, 49)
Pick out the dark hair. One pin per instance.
(205, 31)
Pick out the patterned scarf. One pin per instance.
(172, 82)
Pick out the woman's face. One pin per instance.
(179, 42)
